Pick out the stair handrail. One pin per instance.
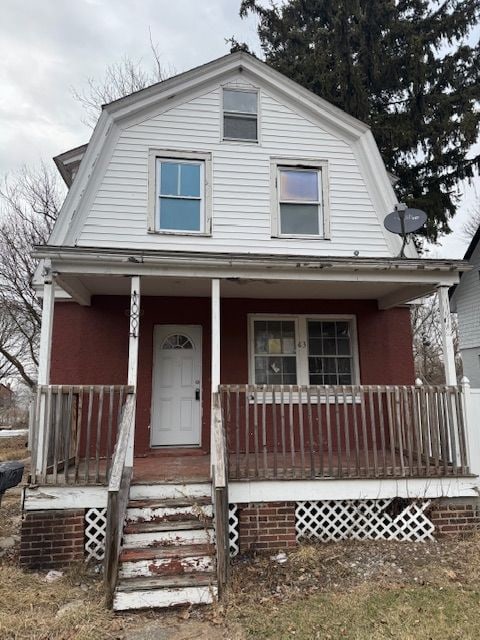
(220, 492)
(118, 491)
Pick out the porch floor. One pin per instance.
(180, 467)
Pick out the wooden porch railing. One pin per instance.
(220, 493)
(344, 432)
(74, 430)
(118, 492)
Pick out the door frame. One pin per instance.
(176, 328)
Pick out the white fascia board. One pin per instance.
(215, 267)
(332, 489)
(64, 497)
(81, 183)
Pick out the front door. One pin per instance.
(177, 386)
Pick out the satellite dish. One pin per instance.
(403, 221)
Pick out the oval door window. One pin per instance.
(177, 341)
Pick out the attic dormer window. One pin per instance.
(240, 115)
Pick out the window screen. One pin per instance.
(240, 115)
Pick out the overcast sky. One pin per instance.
(48, 46)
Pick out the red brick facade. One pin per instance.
(266, 525)
(52, 538)
(455, 517)
(90, 344)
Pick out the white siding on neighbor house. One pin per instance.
(471, 365)
(241, 210)
(467, 300)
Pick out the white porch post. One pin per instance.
(215, 373)
(447, 339)
(471, 406)
(44, 359)
(133, 356)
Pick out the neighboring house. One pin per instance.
(465, 302)
(6, 396)
(225, 341)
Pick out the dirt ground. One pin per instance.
(353, 590)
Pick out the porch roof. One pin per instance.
(86, 271)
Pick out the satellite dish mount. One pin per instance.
(404, 222)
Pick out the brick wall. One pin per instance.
(52, 538)
(266, 525)
(455, 517)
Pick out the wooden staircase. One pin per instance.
(168, 555)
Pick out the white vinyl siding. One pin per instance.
(467, 298)
(241, 184)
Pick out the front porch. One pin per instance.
(228, 383)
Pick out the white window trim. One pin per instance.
(245, 89)
(205, 189)
(302, 339)
(300, 163)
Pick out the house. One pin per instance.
(6, 396)
(226, 355)
(465, 302)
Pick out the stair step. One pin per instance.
(169, 537)
(162, 598)
(204, 579)
(169, 503)
(169, 511)
(168, 490)
(185, 551)
(154, 527)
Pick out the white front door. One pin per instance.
(177, 386)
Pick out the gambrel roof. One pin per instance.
(138, 106)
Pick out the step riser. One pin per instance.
(163, 598)
(161, 514)
(167, 491)
(166, 566)
(167, 538)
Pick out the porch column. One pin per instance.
(133, 356)
(44, 359)
(215, 373)
(447, 339)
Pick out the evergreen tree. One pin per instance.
(408, 68)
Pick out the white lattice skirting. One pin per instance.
(95, 529)
(233, 533)
(388, 519)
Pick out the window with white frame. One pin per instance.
(180, 195)
(240, 115)
(303, 350)
(299, 205)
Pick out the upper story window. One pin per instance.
(299, 202)
(179, 193)
(240, 115)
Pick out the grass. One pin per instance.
(370, 613)
(13, 448)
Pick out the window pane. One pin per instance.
(190, 180)
(299, 185)
(179, 215)
(241, 101)
(169, 178)
(275, 370)
(239, 128)
(299, 219)
(260, 330)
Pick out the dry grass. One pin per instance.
(13, 448)
(362, 591)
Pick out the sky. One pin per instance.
(48, 47)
